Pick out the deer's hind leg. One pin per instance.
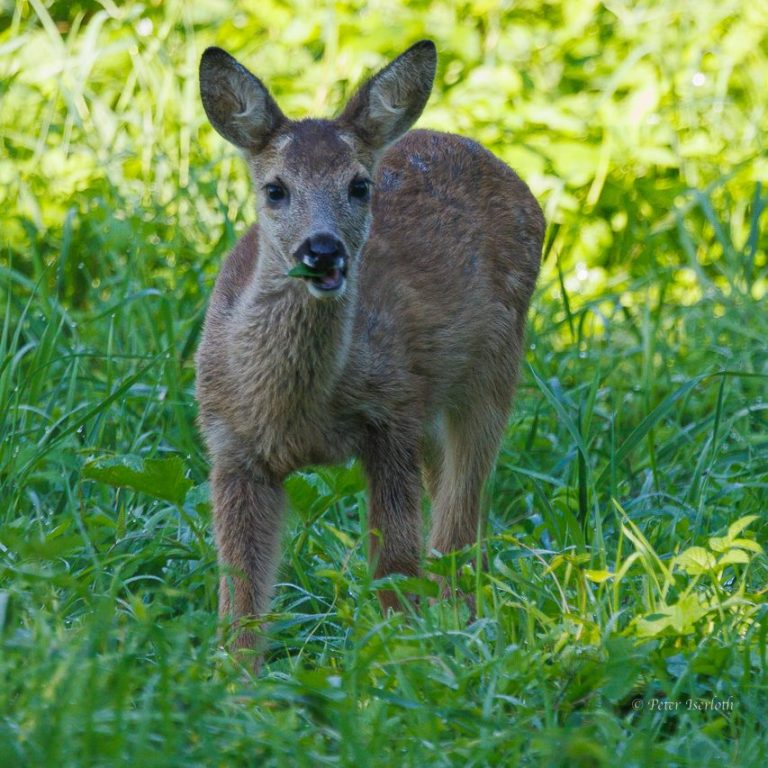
(433, 457)
(391, 462)
(471, 441)
(474, 426)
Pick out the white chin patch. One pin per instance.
(327, 293)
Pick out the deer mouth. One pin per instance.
(325, 278)
(330, 280)
(321, 262)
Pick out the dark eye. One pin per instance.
(276, 193)
(359, 189)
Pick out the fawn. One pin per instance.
(399, 343)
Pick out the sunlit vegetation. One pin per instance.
(622, 618)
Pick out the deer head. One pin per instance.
(314, 177)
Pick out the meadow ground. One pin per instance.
(622, 620)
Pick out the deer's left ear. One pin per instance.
(386, 106)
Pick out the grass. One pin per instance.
(622, 619)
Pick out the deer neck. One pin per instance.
(291, 347)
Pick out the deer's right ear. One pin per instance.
(238, 105)
(387, 105)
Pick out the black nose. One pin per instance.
(324, 245)
(322, 251)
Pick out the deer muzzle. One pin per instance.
(326, 257)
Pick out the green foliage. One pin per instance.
(160, 478)
(623, 606)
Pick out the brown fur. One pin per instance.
(412, 368)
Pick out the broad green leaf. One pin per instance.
(695, 561)
(688, 610)
(724, 543)
(734, 556)
(162, 478)
(680, 617)
(653, 625)
(621, 668)
(719, 543)
(417, 586)
(735, 528)
(752, 546)
(307, 493)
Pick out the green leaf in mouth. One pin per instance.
(302, 270)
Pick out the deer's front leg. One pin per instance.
(391, 461)
(248, 512)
